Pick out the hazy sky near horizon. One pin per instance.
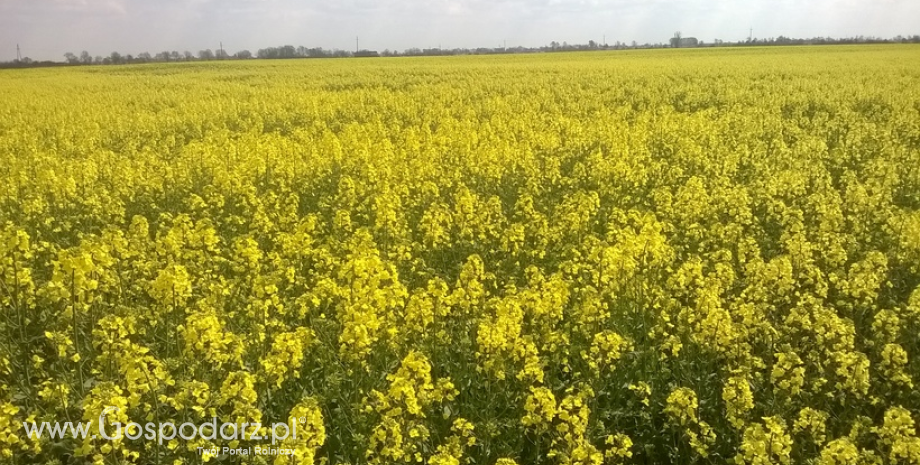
(46, 29)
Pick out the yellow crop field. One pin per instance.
(660, 256)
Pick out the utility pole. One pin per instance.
(356, 44)
(751, 35)
(18, 54)
(221, 50)
(605, 40)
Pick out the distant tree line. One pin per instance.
(290, 52)
(781, 40)
(116, 58)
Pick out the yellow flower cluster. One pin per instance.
(606, 348)
(9, 436)
(311, 433)
(765, 444)
(738, 398)
(682, 409)
(286, 354)
(401, 431)
(899, 435)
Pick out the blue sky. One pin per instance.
(46, 29)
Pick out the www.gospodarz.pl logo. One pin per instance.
(168, 431)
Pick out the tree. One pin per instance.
(71, 58)
(115, 58)
(243, 55)
(85, 58)
(269, 52)
(206, 54)
(675, 41)
(143, 57)
(592, 44)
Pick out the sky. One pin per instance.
(46, 29)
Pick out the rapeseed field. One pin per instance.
(663, 256)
